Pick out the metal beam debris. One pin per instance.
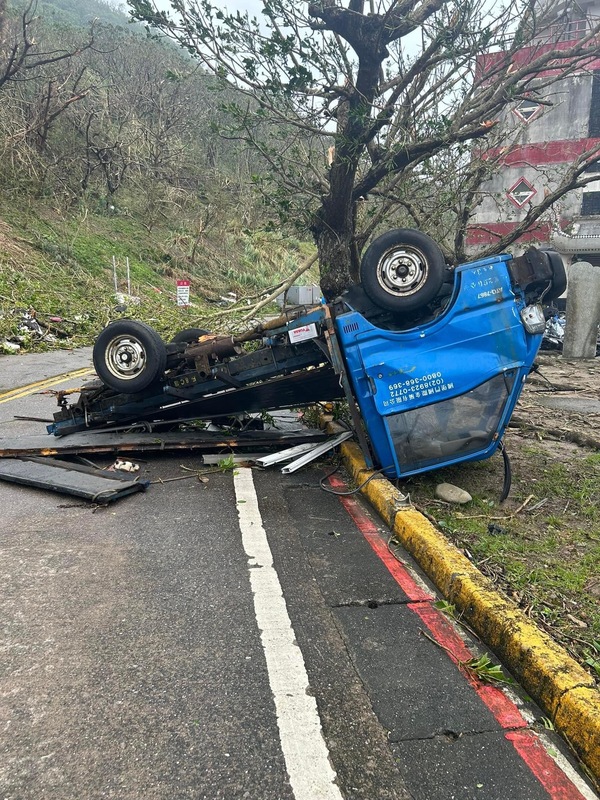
(283, 455)
(319, 450)
(135, 441)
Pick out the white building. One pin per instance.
(541, 136)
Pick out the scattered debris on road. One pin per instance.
(28, 459)
(119, 442)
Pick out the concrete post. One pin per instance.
(583, 311)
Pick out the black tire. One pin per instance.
(559, 276)
(129, 356)
(402, 270)
(189, 335)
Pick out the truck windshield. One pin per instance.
(457, 427)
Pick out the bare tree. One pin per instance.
(2, 19)
(21, 55)
(357, 96)
(42, 75)
(141, 119)
(125, 117)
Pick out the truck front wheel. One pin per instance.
(129, 356)
(402, 270)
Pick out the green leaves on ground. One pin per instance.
(483, 669)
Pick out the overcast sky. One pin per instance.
(253, 7)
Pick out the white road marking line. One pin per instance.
(302, 742)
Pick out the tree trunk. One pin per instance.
(334, 237)
(334, 260)
(334, 223)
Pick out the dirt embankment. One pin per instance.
(561, 399)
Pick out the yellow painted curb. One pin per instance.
(560, 686)
(578, 711)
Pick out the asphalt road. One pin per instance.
(239, 638)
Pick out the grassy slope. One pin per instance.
(60, 262)
(62, 266)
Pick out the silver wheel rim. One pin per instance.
(125, 357)
(402, 270)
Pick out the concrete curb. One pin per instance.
(562, 688)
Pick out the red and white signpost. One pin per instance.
(183, 293)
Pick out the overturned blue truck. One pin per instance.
(431, 359)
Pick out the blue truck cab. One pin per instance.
(443, 391)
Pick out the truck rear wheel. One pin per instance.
(402, 270)
(129, 356)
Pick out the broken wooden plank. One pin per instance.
(66, 478)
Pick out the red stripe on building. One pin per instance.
(562, 151)
(488, 233)
(491, 65)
